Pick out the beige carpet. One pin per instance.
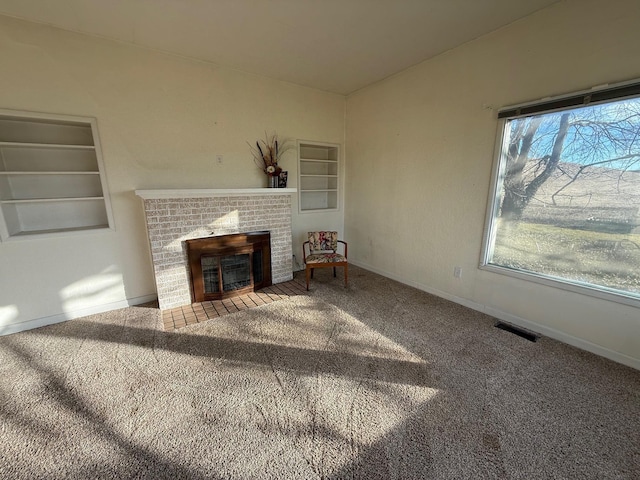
(377, 381)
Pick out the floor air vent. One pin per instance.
(517, 331)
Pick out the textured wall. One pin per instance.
(420, 152)
(162, 120)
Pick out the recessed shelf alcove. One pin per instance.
(51, 177)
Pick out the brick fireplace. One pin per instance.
(174, 216)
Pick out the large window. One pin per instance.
(567, 193)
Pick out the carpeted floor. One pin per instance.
(376, 381)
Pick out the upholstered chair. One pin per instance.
(321, 251)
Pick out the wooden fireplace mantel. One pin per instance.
(212, 192)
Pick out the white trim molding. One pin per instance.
(83, 312)
(211, 192)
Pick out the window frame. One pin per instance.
(599, 95)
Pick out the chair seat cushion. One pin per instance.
(325, 258)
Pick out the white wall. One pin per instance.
(162, 120)
(420, 151)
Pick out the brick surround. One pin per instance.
(173, 219)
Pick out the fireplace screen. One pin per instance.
(236, 272)
(210, 277)
(229, 265)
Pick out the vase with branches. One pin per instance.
(267, 153)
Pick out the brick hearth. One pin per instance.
(179, 317)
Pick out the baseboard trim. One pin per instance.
(63, 317)
(513, 319)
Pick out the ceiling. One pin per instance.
(338, 46)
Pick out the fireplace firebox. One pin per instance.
(229, 265)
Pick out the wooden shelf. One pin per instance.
(57, 199)
(212, 192)
(47, 145)
(61, 172)
(320, 190)
(59, 230)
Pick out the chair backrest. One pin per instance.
(323, 241)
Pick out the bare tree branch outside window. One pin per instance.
(570, 194)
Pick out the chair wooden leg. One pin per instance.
(346, 274)
(334, 272)
(307, 274)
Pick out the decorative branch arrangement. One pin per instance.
(268, 152)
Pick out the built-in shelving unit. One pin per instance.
(318, 171)
(51, 177)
